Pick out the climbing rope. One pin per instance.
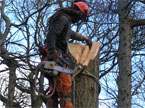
(38, 69)
(81, 70)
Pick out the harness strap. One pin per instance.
(53, 89)
(65, 99)
(52, 102)
(49, 103)
(51, 93)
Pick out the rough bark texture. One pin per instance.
(12, 82)
(8, 60)
(124, 78)
(12, 65)
(36, 100)
(87, 89)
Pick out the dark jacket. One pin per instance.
(60, 32)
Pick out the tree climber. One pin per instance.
(58, 34)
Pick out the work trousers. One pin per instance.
(62, 95)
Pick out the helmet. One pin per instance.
(83, 7)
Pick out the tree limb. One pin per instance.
(60, 3)
(138, 86)
(26, 20)
(142, 1)
(138, 22)
(4, 100)
(4, 35)
(22, 89)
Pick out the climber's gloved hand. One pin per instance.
(42, 51)
(52, 55)
(89, 42)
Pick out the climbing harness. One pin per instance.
(50, 70)
(58, 74)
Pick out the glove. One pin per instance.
(89, 42)
(42, 51)
(52, 55)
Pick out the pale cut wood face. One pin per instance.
(82, 53)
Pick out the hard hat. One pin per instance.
(83, 7)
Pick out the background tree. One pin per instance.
(117, 24)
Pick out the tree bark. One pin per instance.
(87, 89)
(12, 65)
(12, 83)
(124, 78)
(36, 100)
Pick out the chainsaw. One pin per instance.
(48, 69)
(51, 68)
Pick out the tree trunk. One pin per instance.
(12, 82)
(12, 65)
(124, 78)
(87, 89)
(36, 100)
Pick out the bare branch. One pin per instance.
(60, 3)
(6, 20)
(138, 86)
(4, 100)
(24, 90)
(138, 22)
(142, 1)
(25, 22)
